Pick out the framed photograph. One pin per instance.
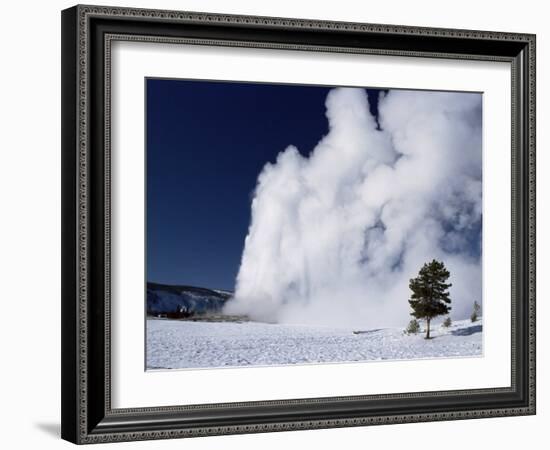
(279, 224)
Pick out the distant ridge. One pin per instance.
(166, 299)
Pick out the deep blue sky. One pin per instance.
(206, 144)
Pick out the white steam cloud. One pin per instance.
(335, 237)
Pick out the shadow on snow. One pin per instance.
(467, 331)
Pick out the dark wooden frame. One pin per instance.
(87, 32)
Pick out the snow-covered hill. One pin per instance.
(175, 344)
(162, 299)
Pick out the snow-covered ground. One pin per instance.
(180, 344)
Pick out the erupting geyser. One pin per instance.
(335, 236)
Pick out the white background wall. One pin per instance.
(30, 222)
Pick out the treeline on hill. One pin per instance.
(179, 302)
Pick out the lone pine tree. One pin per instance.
(430, 296)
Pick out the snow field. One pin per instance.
(182, 344)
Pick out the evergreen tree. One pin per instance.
(447, 322)
(430, 297)
(413, 327)
(475, 312)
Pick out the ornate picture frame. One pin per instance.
(88, 415)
